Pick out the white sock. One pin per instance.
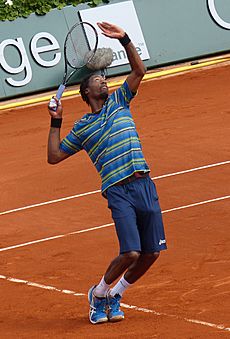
(120, 287)
(101, 289)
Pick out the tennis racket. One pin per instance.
(79, 48)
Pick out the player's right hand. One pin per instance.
(55, 108)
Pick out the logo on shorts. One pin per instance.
(161, 242)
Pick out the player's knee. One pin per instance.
(151, 257)
(131, 256)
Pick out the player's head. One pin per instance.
(93, 87)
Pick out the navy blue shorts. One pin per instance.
(137, 215)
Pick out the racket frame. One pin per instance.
(67, 63)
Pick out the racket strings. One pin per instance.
(80, 40)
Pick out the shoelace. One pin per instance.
(115, 303)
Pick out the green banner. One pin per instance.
(31, 50)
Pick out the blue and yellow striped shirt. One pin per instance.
(110, 139)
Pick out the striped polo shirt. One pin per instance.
(110, 139)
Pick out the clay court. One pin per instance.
(47, 265)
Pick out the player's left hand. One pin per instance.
(111, 31)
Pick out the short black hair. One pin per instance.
(83, 85)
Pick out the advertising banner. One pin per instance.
(122, 14)
(163, 32)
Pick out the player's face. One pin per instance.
(98, 87)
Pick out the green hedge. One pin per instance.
(23, 8)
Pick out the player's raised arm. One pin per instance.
(137, 66)
(55, 155)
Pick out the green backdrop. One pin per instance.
(174, 31)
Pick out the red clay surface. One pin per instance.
(183, 123)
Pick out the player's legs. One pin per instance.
(137, 215)
(127, 231)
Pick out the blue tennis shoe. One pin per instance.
(98, 308)
(114, 312)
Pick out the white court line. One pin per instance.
(54, 237)
(50, 288)
(49, 202)
(200, 322)
(131, 307)
(98, 191)
(196, 204)
(108, 225)
(192, 169)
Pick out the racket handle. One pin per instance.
(60, 91)
(53, 103)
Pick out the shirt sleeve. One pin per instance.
(71, 143)
(123, 95)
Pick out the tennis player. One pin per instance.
(108, 134)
